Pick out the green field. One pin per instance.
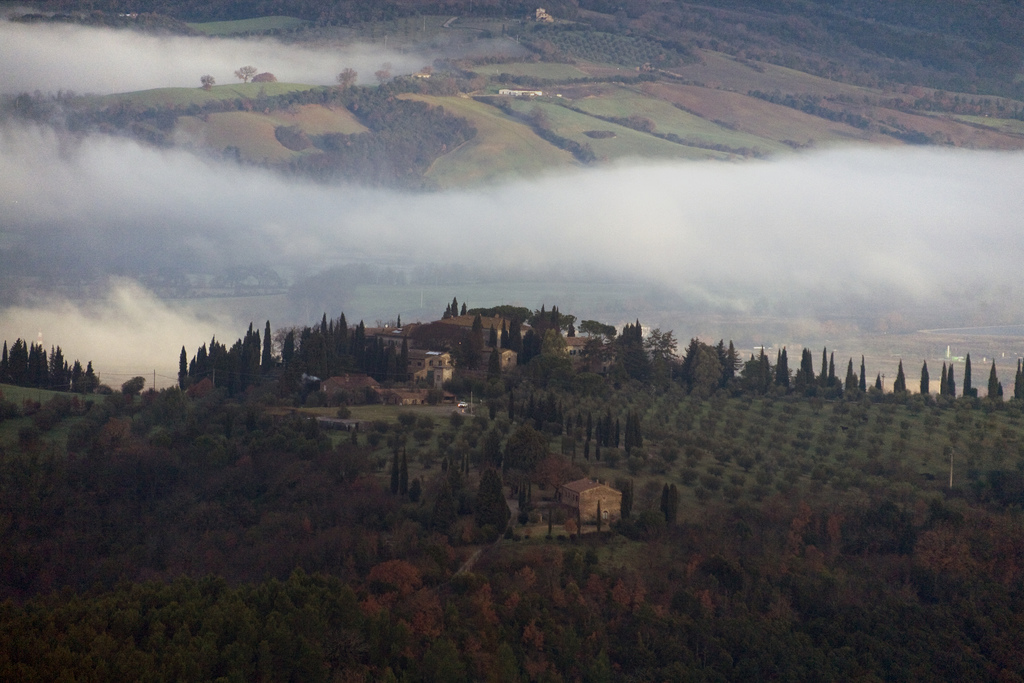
(622, 102)
(502, 147)
(627, 142)
(255, 25)
(548, 70)
(182, 97)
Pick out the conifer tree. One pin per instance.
(968, 389)
(993, 383)
(942, 382)
(851, 379)
(878, 381)
(805, 375)
(950, 383)
(900, 385)
(1018, 383)
(494, 364)
(863, 376)
(832, 370)
(925, 387)
(288, 348)
(626, 507)
(782, 369)
(267, 360)
(599, 516)
(823, 375)
(182, 368)
(445, 512)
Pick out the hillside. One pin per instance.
(662, 80)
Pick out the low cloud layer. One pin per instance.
(52, 57)
(912, 225)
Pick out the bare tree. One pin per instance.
(245, 73)
(207, 81)
(347, 78)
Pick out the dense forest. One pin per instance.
(776, 524)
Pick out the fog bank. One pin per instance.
(52, 57)
(126, 332)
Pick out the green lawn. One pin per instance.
(255, 25)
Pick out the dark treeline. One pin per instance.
(777, 522)
(27, 365)
(321, 351)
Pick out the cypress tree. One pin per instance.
(627, 500)
(925, 387)
(993, 382)
(782, 369)
(950, 383)
(1018, 382)
(943, 388)
(900, 385)
(823, 375)
(851, 379)
(494, 364)
(878, 381)
(832, 369)
(598, 516)
(968, 386)
(863, 376)
(182, 368)
(491, 508)
(805, 376)
(267, 360)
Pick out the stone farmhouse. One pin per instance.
(583, 495)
